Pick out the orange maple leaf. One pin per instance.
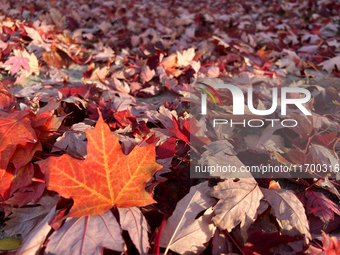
(57, 58)
(15, 129)
(106, 178)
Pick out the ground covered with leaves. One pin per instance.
(97, 131)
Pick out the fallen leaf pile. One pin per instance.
(98, 127)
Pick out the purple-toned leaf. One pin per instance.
(238, 204)
(17, 62)
(321, 206)
(288, 207)
(132, 220)
(87, 235)
(182, 232)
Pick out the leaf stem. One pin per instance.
(317, 244)
(234, 241)
(158, 238)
